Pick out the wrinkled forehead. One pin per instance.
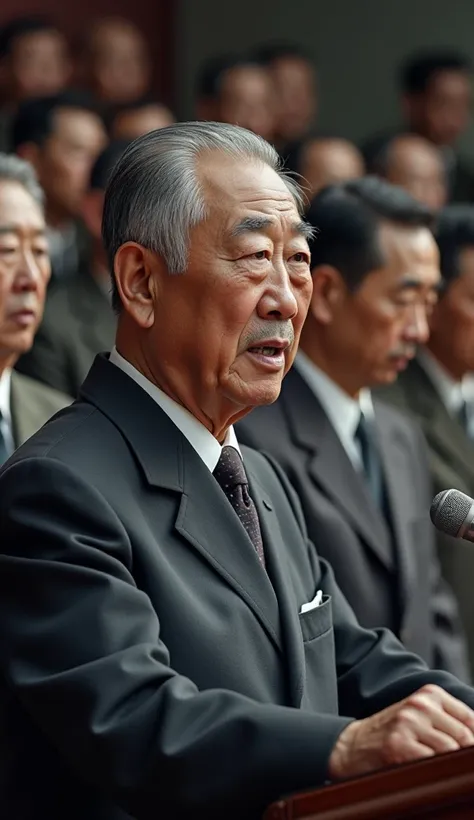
(233, 187)
(18, 208)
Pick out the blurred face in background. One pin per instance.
(452, 323)
(38, 65)
(327, 162)
(64, 161)
(246, 99)
(132, 123)
(417, 165)
(441, 113)
(119, 62)
(295, 89)
(24, 270)
(371, 333)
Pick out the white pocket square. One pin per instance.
(317, 601)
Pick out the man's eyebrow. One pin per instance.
(251, 224)
(413, 283)
(254, 224)
(15, 228)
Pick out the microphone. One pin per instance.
(452, 512)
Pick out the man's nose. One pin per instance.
(279, 300)
(417, 329)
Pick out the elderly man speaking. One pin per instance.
(171, 645)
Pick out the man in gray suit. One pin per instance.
(358, 466)
(25, 405)
(78, 319)
(438, 389)
(175, 647)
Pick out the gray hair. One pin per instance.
(14, 169)
(154, 196)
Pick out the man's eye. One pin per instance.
(260, 255)
(300, 257)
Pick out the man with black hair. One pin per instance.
(295, 87)
(61, 136)
(417, 165)
(34, 61)
(435, 90)
(128, 122)
(437, 388)
(237, 90)
(359, 467)
(78, 321)
(324, 160)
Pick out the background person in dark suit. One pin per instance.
(155, 659)
(435, 92)
(360, 468)
(438, 389)
(78, 319)
(25, 405)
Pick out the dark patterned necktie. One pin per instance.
(365, 436)
(3, 445)
(230, 474)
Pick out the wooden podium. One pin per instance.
(435, 788)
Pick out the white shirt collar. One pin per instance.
(451, 392)
(199, 437)
(5, 409)
(343, 411)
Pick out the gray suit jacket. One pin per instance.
(149, 666)
(388, 573)
(32, 405)
(452, 466)
(78, 323)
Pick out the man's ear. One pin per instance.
(138, 272)
(329, 290)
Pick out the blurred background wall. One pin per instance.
(357, 45)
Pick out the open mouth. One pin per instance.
(269, 357)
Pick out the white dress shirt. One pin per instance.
(5, 410)
(199, 437)
(452, 393)
(342, 410)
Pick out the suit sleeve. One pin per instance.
(80, 647)
(374, 669)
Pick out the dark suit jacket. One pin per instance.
(452, 466)
(78, 323)
(148, 664)
(389, 575)
(32, 405)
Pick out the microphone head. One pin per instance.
(449, 510)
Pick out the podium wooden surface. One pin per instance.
(434, 788)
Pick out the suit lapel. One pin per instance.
(25, 415)
(276, 558)
(205, 518)
(330, 467)
(445, 433)
(392, 449)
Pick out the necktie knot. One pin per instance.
(230, 470)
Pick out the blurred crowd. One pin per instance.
(71, 116)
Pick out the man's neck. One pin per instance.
(338, 374)
(456, 371)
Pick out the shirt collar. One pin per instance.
(5, 391)
(342, 410)
(204, 443)
(450, 391)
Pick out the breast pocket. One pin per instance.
(320, 680)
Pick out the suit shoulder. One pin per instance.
(399, 419)
(34, 391)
